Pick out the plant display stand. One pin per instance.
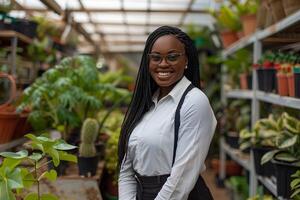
(273, 37)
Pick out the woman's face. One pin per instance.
(167, 61)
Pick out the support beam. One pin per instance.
(53, 5)
(102, 10)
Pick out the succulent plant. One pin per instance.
(89, 134)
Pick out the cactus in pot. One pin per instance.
(87, 159)
(89, 133)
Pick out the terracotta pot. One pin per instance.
(8, 124)
(291, 85)
(276, 8)
(249, 24)
(243, 81)
(228, 37)
(282, 84)
(23, 126)
(290, 6)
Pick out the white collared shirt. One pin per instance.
(150, 148)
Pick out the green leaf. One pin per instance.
(31, 196)
(245, 145)
(67, 157)
(36, 156)
(53, 153)
(284, 156)
(10, 163)
(48, 197)
(268, 156)
(5, 192)
(19, 155)
(295, 182)
(14, 179)
(296, 192)
(28, 179)
(32, 137)
(63, 146)
(289, 142)
(51, 175)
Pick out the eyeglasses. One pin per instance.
(171, 58)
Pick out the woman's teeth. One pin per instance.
(164, 74)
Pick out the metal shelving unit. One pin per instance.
(257, 40)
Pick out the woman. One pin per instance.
(169, 125)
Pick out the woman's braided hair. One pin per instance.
(145, 86)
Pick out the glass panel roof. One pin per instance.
(126, 20)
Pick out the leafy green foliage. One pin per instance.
(287, 140)
(295, 186)
(227, 19)
(67, 94)
(15, 177)
(264, 134)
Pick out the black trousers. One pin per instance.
(149, 186)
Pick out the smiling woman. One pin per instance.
(169, 125)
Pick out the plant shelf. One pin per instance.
(263, 34)
(278, 100)
(237, 155)
(242, 94)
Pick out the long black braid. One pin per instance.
(145, 85)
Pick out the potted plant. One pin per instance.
(88, 159)
(261, 140)
(296, 71)
(229, 24)
(247, 11)
(15, 177)
(287, 155)
(295, 185)
(238, 67)
(282, 78)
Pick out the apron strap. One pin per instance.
(177, 120)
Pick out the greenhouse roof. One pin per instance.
(119, 25)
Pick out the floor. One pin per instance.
(218, 193)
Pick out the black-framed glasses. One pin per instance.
(171, 58)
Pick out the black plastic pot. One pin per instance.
(297, 84)
(87, 165)
(249, 81)
(232, 141)
(60, 169)
(283, 176)
(260, 78)
(267, 168)
(269, 80)
(25, 27)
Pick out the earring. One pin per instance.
(185, 67)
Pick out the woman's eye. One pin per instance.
(156, 57)
(172, 57)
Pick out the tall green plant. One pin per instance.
(64, 96)
(14, 177)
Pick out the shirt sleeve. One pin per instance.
(196, 130)
(127, 183)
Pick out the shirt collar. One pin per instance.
(176, 92)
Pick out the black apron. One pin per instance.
(149, 186)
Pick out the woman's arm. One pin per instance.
(127, 183)
(195, 134)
